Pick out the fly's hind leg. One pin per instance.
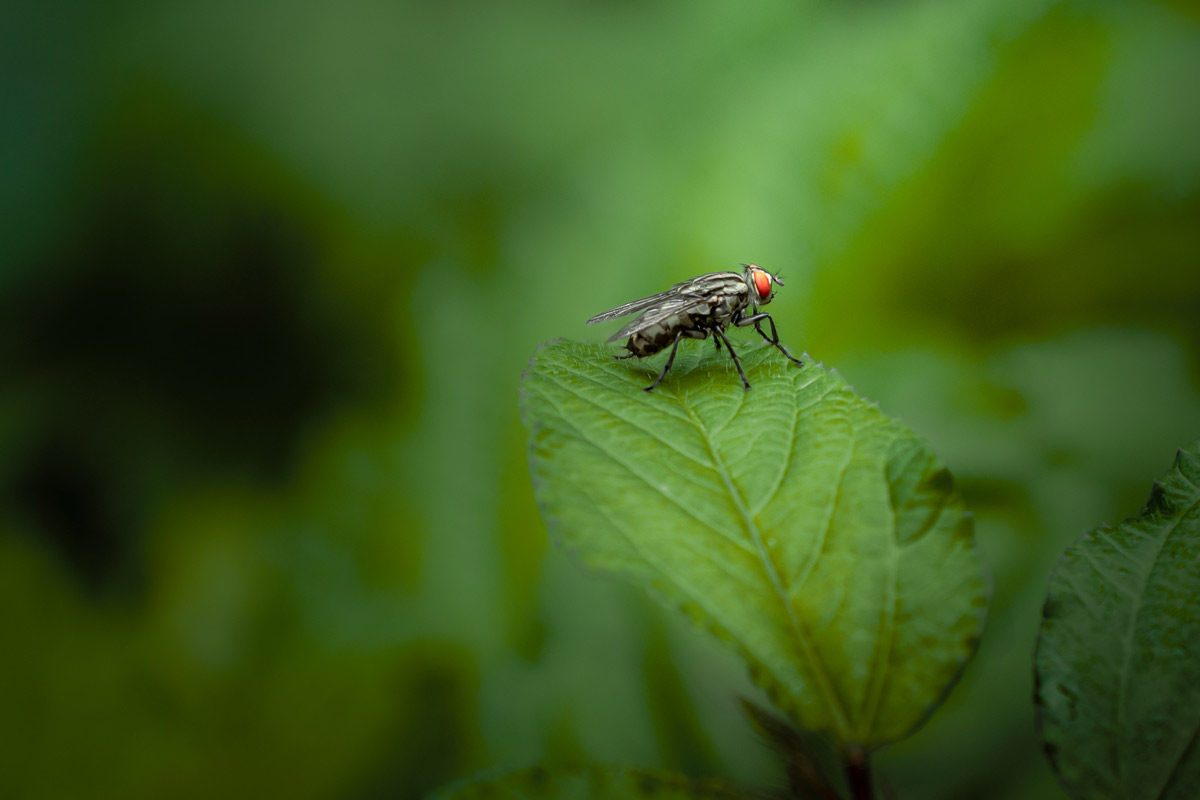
(667, 366)
(671, 358)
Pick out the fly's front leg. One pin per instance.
(729, 348)
(773, 339)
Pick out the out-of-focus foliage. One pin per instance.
(796, 521)
(1118, 682)
(596, 783)
(269, 276)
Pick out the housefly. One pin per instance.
(696, 309)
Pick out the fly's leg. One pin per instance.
(756, 321)
(667, 366)
(729, 348)
(671, 358)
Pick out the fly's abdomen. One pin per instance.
(653, 338)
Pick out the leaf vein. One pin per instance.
(693, 594)
(1123, 687)
(810, 565)
(1186, 479)
(1118, 548)
(629, 422)
(885, 637)
(1191, 742)
(1120, 587)
(1082, 595)
(816, 667)
(581, 436)
(792, 439)
(625, 378)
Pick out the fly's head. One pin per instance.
(761, 284)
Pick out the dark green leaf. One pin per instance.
(595, 783)
(1118, 658)
(795, 520)
(813, 767)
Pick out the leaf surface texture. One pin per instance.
(1118, 657)
(796, 521)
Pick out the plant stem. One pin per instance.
(858, 774)
(803, 776)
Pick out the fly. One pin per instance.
(696, 309)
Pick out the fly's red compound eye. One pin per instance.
(762, 282)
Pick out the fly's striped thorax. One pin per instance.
(722, 282)
(730, 292)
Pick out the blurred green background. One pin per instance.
(269, 275)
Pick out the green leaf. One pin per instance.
(595, 783)
(1118, 657)
(820, 537)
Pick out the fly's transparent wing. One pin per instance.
(699, 287)
(678, 304)
(697, 297)
(638, 305)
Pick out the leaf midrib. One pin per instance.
(583, 437)
(1123, 688)
(816, 667)
(783, 471)
(885, 638)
